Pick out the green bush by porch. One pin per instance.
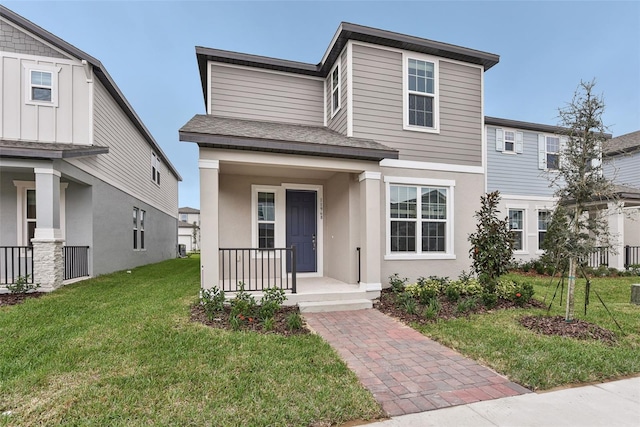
(120, 350)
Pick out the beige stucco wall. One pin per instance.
(632, 227)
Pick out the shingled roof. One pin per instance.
(43, 150)
(623, 144)
(223, 132)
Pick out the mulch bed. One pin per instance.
(13, 299)
(222, 321)
(578, 329)
(449, 310)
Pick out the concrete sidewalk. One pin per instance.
(615, 403)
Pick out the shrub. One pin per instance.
(294, 321)
(432, 310)
(452, 293)
(467, 305)
(212, 301)
(523, 293)
(243, 305)
(397, 284)
(526, 267)
(489, 299)
(406, 302)
(268, 324)
(270, 303)
(22, 285)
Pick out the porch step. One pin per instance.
(325, 306)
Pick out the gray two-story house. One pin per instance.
(84, 187)
(370, 162)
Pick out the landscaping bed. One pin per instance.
(13, 299)
(578, 329)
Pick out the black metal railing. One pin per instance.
(258, 269)
(15, 262)
(631, 256)
(359, 265)
(76, 261)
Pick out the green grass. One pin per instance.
(120, 350)
(541, 362)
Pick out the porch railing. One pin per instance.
(631, 256)
(600, 256)
(258, 269)
(76, 261)
(15, 262)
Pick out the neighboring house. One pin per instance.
(189, 228)
(84, 187)
(521, 159)
(621, 157)
(369, 163)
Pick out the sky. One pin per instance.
(546, 48)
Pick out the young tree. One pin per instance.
(195, 236)
(580, 183)
(492, 243)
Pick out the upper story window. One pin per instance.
(553, 151)
(41, 85)
(155, 168)
(421, 94)
(184, 217)
(335, 90)
(509, 141)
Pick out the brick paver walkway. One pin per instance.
(406, 371)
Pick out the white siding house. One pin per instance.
(84, 187)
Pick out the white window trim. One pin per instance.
(142, 229)
(539, 209)
(449, 252)
(21, 230)
(523, 208)
(338, 88)
(542, 154)
(405, 92)
(501, 143)
(54, 71)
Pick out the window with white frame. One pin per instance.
(41, 84)
(544, 218)
(516, 225)
(184, 217)
(136, 212)
(335, 90)
(155, 168)
(552, 144)
(509, 141)
(266, 217)
(141, 226)
(421, 102)
(30, 215)
(418, 219)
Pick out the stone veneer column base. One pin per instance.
(48, 263)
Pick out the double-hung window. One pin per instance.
(41, 84)
(266, 216)
(509, 141)
(421, 97)
(419, 219)
(335, 90)
(155, 168)
(516, 225)
(544, 218)
(139, 217)
(553, 152)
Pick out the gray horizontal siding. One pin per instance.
(624, 169)
(516, 174)
(339, 121)
(258, 95)
(128, 163)
(378, 104)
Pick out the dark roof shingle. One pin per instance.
(623, 144)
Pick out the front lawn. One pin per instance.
(120, 350)
(497, 339)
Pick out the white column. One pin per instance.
(48, 241)
(209, 244)
(370, 226)
(616, 229)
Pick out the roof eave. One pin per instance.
(41, 153)
(287, 147)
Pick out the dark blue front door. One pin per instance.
(301, 228)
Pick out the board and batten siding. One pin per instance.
(339, 121)
(378, 108)
(624, 169)
(66, 123)
(127, 166)
(516, 174)
(254, 94)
